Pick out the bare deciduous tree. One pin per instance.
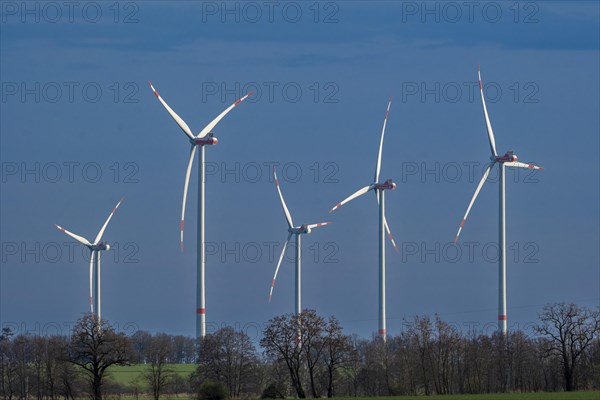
(157, 351)
(571, 329)
(95, 346)
(280, 341)
(228, 356)
(338, 351)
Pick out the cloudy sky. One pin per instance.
(80, 128)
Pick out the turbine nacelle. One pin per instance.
(300, 230)
(207, 140)
(102, 246)
(387, 185)
(508, 157)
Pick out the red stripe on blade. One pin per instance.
(200, 311)
(501, 317)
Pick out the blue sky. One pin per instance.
(74, 95)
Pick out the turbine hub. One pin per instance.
(387, 185)
(508, 157)
(208, 140)
(302, 229)
(102, 246)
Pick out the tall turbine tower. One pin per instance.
(297, 231)
(379, 189)
(95, 248)
(204, 138)
(507, 160)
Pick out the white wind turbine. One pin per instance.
(204, 138)
(95, 248)
(507, 160)
(379, 189)
(297, 231)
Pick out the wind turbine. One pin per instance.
(297, 231)
(509, 159)
(204, 138)
(95, 248)
(379, 189)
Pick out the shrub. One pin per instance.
(211, 390)
(271, 392)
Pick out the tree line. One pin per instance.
(308, 355)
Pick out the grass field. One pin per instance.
(127, 375)
(499, 396)
(502, 396)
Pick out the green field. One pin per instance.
(499, 396)
(127, 375)
(502, 396)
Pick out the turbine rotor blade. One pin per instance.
(356, 194)
(387, 227)
(488, 124)
(80, 239)
(215, 121)
(479, 186)
(312, 226)
(184, 127)
(378, 167)
(99, 236)
(278, 264)
(522, 165)
(185, 189)
(288, 216)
